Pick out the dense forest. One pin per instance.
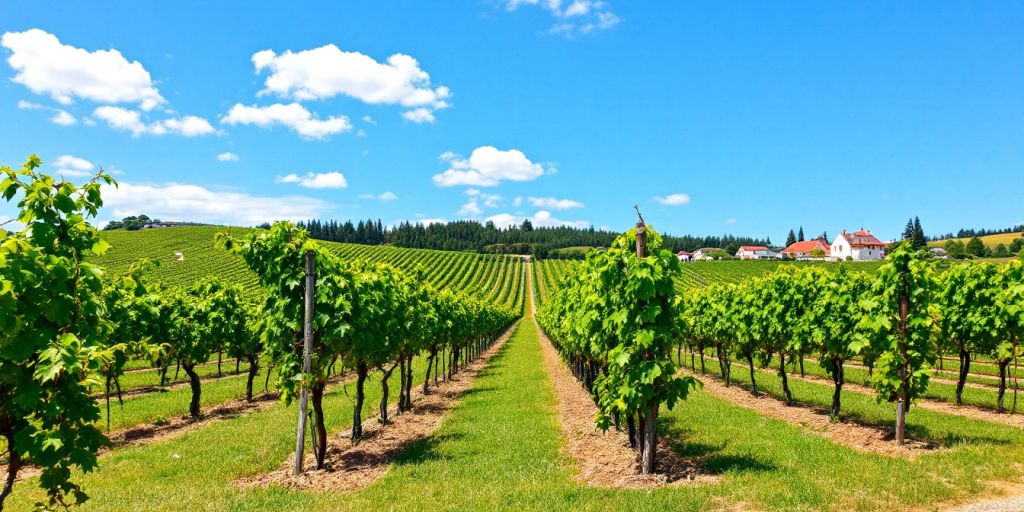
(468, 235)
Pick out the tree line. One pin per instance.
(471, 235)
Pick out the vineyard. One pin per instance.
(187, 254)
(258, 369)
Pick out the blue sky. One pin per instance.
(741, 118)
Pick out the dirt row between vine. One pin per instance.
(605, 459)
(816, 421)
(351, 467)
(968, 411)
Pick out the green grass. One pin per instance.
(499, 449)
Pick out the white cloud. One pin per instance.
(487, 166)
(328, 71)
(518, 201)
(227, 156)
(368, 119)
(174, 201)
(73, 166)
(315, 180)
(386, 196)
(473, 207)
(60, 116)
(418, 115)
(672, 199)
(63, 118)
(293, 115)
(131, 120)
(730, 221)
(573, 16)
(46, 66)
(542, 218)
(552, 203)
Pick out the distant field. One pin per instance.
(496, 277)
(989, 240)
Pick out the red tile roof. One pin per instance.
(683, 253)
(753, 248)
(862, 238)
(806, 247)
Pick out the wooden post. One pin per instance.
(649, 442)
(307, 347)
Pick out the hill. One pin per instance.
(496, 277)
(990, 241)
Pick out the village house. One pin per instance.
(806, 250)
(858, 246)
(684, 256)
(755, 252)
(704, 253)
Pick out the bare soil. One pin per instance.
(605, 459)
(816, 421)
(351, 467)
(1003, 497)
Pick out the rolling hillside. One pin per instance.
(990, 241)
(497, 277)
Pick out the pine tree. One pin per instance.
(790, 238)
(800, 235)
(919, 239)
(908, 232)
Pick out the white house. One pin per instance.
(704, 253)
(684, 256)
(755, 252)
(859, 246)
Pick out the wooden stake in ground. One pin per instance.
(649, 443)
(307, 347)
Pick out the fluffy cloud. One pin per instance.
(293, 115)
(730, 221)
(175, 201)
(227, 156)
(63, 118)
(73, 166)
(542, 218)
(60, 116)
(552, 203)
(131, 120)
(418, 115)
(473, 207)
(315, 180)
(573, 16)
(328, 71)
(487, 166)
(46, 66)
(386, 196)
(672, 199)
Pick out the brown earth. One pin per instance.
(605, 459)
(351, 467)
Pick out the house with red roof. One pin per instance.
(858, 246)
(806, 249)
(755, 252)
(684, 256)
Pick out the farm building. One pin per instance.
(684, 256)
(806, 249)
(858, 246)
(755, 252)
(704, 253)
